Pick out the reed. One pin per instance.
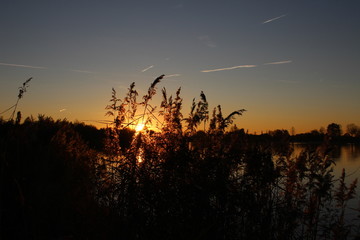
(195, 177)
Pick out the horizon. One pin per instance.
(288, 64)
(102, 124)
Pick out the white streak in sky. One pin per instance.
(82, 71)
(62, 110)
(273, 19)
(19, 65)
(274, 63)
(144, 70)
(172, 75)
(228, 68)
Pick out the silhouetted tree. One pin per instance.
(353, 130)
(334, 130)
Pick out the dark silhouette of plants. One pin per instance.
(218, 123)
(342, 195)
(171, 113)
(193, 177)
(48, 181)
(215, 183)
(22, 90)
(198, 113)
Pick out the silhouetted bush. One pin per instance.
(47, 181)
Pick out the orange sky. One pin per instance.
(290, 64)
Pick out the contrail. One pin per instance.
(19, 65)
(62, 110)
(81, 71)
(172, 75)
(228, 68)
(274, 63)
(144, 70)
(273, 19)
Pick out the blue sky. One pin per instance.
(289, 63)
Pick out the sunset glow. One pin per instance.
(139, 127)
(289, 64)
(179, 119)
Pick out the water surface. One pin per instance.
(345, 157)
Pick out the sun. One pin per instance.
(139, 127)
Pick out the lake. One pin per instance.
(345, 157)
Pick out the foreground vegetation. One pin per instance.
(62, 180)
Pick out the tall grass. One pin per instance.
(195, 177)
(188, 182)
(22, 90)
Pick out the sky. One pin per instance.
(288, 63)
